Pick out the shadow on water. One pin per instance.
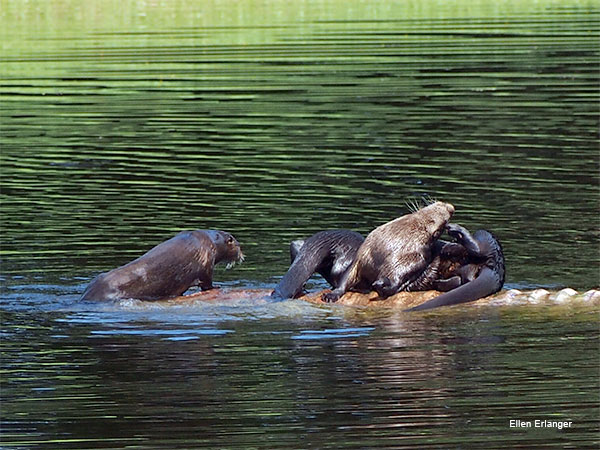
(274, 121)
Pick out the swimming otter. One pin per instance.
(168, 269)
(396, 255)
(330, 253)
(480, 272)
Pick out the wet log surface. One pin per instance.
(403, 300)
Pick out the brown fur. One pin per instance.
(169, 269)
(394, 255)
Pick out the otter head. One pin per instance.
(228, 249)
(435, 217)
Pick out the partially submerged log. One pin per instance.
(401, 300)
(404, 300)
(224, 295)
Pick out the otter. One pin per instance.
(330, 253)
(449, 260)
(473, 268)
(396, 256)
(168, 269)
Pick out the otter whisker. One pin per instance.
(428, 199)
(412, 205)
(231, 264)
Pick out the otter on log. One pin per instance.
(480, 272)
(169, 269)
(395, 256)
(330, 253)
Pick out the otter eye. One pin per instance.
(230, 240)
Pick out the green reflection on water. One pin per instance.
(122, 123)
(276, 120)
(449, 379)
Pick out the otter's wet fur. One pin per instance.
(168, 269)
(329, 253)
(395, 255)
(480, 270)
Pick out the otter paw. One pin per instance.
(383, 287)
(331, 297)
(456, 231)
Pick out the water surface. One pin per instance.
(273, 121)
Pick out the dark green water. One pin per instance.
(273, 121)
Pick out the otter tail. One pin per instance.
(487, 282)
(299, 272)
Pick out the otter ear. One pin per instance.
(230, 239)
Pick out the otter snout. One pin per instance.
(437, 206)
(236, 257)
